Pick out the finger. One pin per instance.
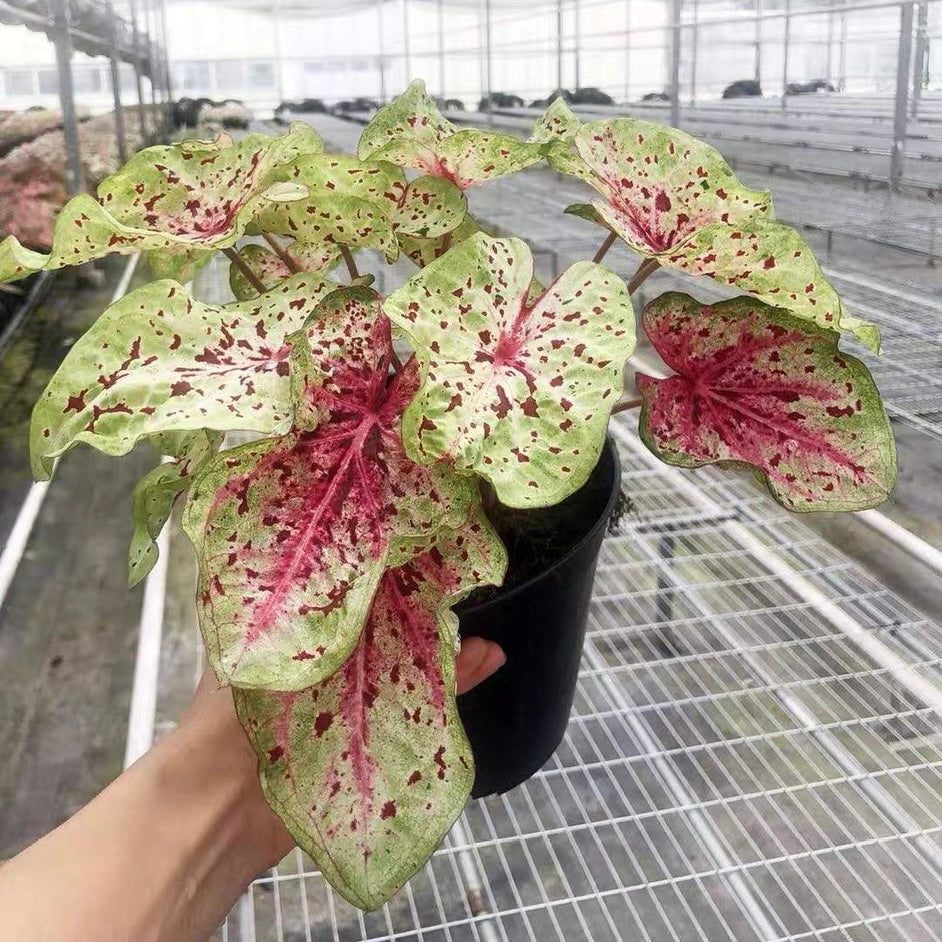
(476, 661)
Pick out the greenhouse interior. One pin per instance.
(658, 661)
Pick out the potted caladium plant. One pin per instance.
(373, 498)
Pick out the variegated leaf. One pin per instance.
(156, 493)
(429, 208)
(757, 386)
(294, 533)
(157, 360)
(557, 123)
(411, 132)
(422, 251)
(178, 263)
(195, 194)
(516, 390)
(771, 261)
(674, 199)
(660, 185)
(411, 121)
(370, 768)
(272, 270)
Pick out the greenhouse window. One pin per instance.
(18, 81)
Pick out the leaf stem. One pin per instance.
(394, 359)
(351, 264)
(647, 267)
(626, 404)
(604, 247)
(250, 275)
(281, 252)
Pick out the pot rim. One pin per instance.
(609, 448)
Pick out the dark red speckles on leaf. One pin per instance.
(756, 391)
(322, 722)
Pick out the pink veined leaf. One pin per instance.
(674, 199)
(294, 533)
(756, 386)
(515, 388)
(370, 768)
(660, 186)
(272, 270)
(193, 195)
(411, 132)
(159, 361)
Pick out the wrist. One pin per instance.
(203, 780)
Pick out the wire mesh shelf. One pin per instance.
(736, 767)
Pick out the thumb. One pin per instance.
(476, 661)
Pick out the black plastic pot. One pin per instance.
(518, 716)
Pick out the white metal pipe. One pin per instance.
(882, 654)
(683, 797)
(29, 511)
(147, 662)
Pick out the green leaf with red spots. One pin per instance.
(660, 185)
(517, 390)
(411, 132)
(409, 127)
(195, 194)
(674, 199)
(271, 270)
(370, 768)
(158, 360)
(157, 492)
(363, 203)
(772, 262)
(294, 533)
(756, 386)
(429, 208)
(422, 251)
(556, 124)
(350, 202)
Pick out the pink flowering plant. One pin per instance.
(333, 546)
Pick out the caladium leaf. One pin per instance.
(660, 185)
(557, 123)
(271, 270)
(411, 119)
(411, 132)
(294, 533)
(178, 263)
(374, 195)
(758, 386)
(674, 199)
(194, 194)
(771, 261)
(370, 768)
(429, 208)
(158, 360)
(349, 202)
(156, 493)
(514, 389)
(422, 251)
